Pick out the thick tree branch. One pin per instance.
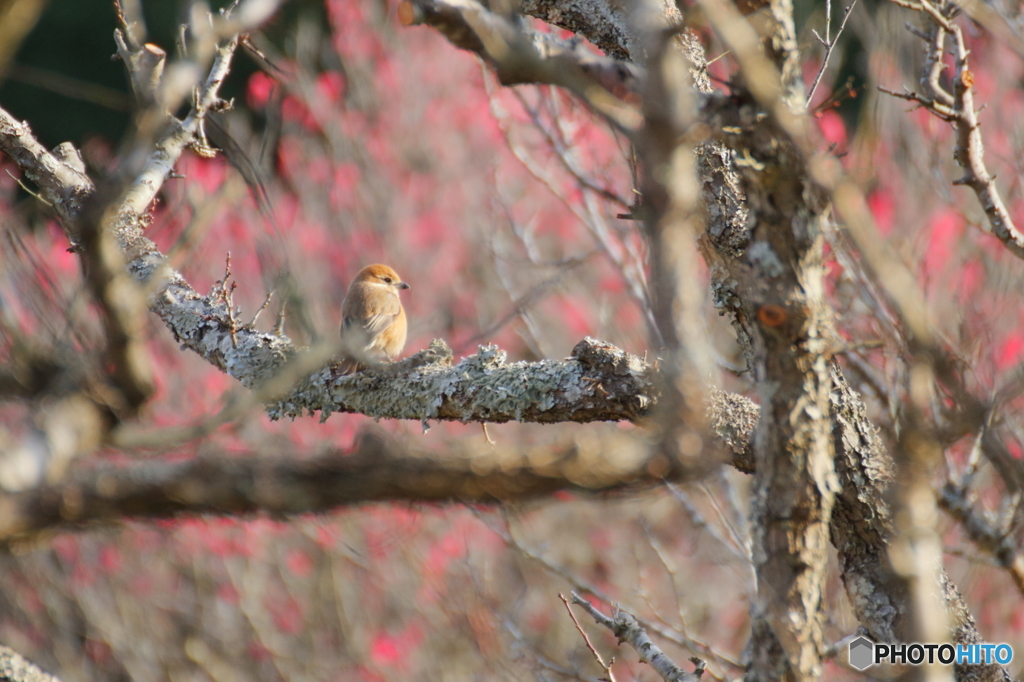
(62, 184)
(767, 276)
(378, 470)
(864, 555)
(606, 24)
(597, 383)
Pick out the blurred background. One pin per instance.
(359, 141)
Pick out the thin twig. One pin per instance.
(606, 666)
(628, 630)
(675, 637)
(954, 500)
(829, 43)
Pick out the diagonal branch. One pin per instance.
(1001, 545)
(628, 630)
(607, 85)
(15, 668)
(602, 22)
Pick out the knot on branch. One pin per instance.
(606, 358)
(733, 418)
(625, 626)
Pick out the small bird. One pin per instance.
(373, 324)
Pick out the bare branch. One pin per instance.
(145, 65)
(378, 470)
(829, 43)
(600, 661)
(183, 133)
(628, 630)
(995, 22)
(958, 108)
(953, 500)
(607, 85)
(677, 637)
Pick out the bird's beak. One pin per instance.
(402, 285)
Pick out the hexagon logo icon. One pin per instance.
(862, 653)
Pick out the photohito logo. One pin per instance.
(864, 653)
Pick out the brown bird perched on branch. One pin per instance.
(373, 324)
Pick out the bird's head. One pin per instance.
(380, 274)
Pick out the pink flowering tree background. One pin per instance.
(503, 208)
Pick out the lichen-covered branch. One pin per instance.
(599, 382)
(606, 24)
(862, 526)
(767, 277)
(14, 668)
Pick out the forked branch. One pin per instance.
(957, 107)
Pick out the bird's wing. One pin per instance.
(381, 319)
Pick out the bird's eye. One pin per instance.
(388, 280)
